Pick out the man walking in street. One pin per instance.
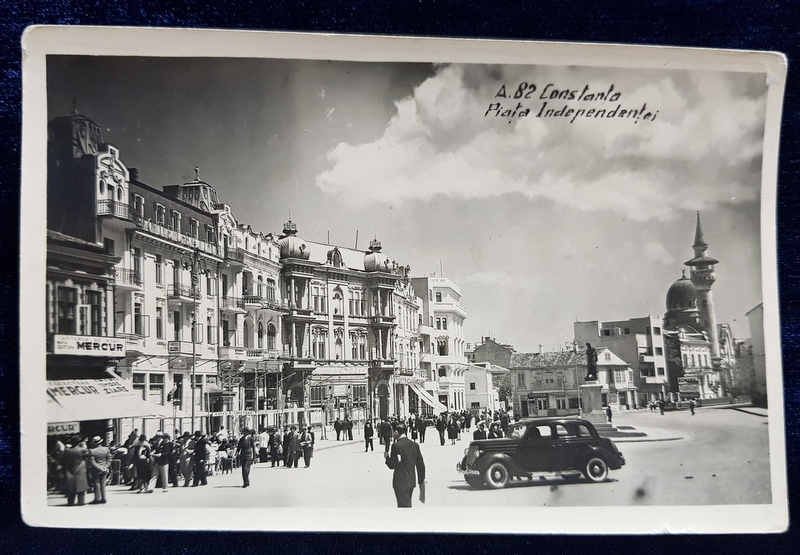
(368, 433)
(338, 427)
(245, 450)
(422, 426)
(385, 430)
(407, 462)
(441, 426)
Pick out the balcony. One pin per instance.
(451, 307)
(119, 210)
(253, 301)
(262, 354)
(183, 293)
(233, 305)
(234, 256)
(300, 312)
(175, 236)
(381, 320)
(126, 279)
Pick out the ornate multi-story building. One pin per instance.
(215, 324)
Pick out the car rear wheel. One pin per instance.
(474, 481)
(596, 470)
(496, 476)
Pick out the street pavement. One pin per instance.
(714, 457)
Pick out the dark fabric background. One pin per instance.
(764, 25)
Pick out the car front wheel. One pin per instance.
(496, 476)
(474, 481)
(596, 470)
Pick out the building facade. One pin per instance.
(548, 383)
(640, 343)
(217, 324)
(443, 341)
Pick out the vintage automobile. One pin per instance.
(541, 448)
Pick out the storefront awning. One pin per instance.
(97, 399)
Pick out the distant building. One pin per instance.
(548, 383)
(640, 343)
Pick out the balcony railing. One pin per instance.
(124, 276)
(180, 290)
(113, 208)
(234, 254)
(231, 303)
(176, 236)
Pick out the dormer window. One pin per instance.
(175, 220)
(194, 227)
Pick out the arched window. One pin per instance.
(271, 337)
(260, 335)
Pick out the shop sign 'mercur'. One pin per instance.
(86, 345)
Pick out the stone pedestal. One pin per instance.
(591, 403)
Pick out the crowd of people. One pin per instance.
(81, 465)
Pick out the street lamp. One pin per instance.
(196, 266)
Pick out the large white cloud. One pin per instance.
(704, 146)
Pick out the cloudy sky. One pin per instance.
(540, 221)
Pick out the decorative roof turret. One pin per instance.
(291, 245)
(375, 260)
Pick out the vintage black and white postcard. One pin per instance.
(515, 286)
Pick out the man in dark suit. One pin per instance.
(200, 458)
(385, 431)
(480, 433)
(441, 426)
(421, 428)
(245, 450)
(406, 461)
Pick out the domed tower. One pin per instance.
(703, 277)
(375, 260)
(291, 245)
(681, 304)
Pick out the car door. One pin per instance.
(536, 448)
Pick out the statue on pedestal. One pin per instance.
(591, 364)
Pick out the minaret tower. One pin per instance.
(703, 277)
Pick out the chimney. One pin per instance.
(134, 173)
(541, 350)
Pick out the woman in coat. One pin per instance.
(75, 461)
(100, 467)
(452, 430)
